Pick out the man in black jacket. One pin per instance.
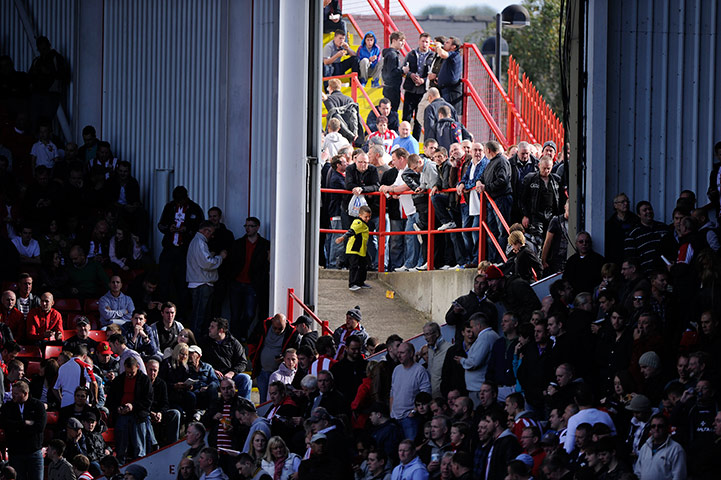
(392, 72)
(515, 293)
(129, 400)
(249, 280)
(384, 110)
(226, 355)
(541, 200)
(362, 177)
(430, 114)
(496, 183)
(165, 420)
(416, 68)
(23, 419)
(522, 163)
(474, 301)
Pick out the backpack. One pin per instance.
(350, 122)
(448, 133)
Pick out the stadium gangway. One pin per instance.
(355, 85)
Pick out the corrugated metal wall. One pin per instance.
(55, 19)
(663, 112)
(161, 90)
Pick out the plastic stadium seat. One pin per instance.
(91, 305)
(69, 334)
(52, 351)
(52, 418)
(67, 305)
(98, 335)
(32, 369)
(109, 436)
(30, 351)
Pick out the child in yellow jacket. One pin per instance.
(357, 249)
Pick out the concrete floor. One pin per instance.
(382, 316)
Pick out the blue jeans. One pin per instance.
(470, 239)
(243, 301)
(410, 427)
(262, 380)
(130, 436)
(440, 205)
(244, 384)
(504, 204)
(200, 296)
(334, 250)
(396, 245)
(413, 248)
(29, 466)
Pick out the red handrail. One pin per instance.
(387, 22)
(292, 299)
(485, 113)
(352, 21)
(411, 17)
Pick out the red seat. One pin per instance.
(52, 418)
(91, 305)
(109, 436)
(52, 351)
(98, 335)
(30, 351)
(69, 334)
(32, 369)
(66, 305)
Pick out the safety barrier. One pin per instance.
(542, 123)
(483, 230)
(293, 299)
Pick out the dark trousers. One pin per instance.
(394, 95)
(358, 270)
(340, 68)
(173, 286)
(454, 96)
(410, 108)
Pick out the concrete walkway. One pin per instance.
(381, 316)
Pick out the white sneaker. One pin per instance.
(413, 269)
(446, 226)
(354, 288)
(423, 267)
(458, 267)
(446, 267)
(418, 229)
(402, 268)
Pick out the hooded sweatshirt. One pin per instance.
(364, 52)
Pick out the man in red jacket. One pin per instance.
(45, 323)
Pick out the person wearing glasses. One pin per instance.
(249, 279)
(660, 456)
(618, 226)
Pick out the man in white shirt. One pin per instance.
(27, 247)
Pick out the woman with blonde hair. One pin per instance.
(525, 263)
(176, 373)
(258, 446)
(279, 462)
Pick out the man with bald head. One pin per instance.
(522, 163)
(405, 139)
(45, 324)
(430, 115)
(271, 339)
(12, 323)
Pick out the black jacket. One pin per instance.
(22, 438)
(259, 271)
(412, 62)
(497, 177)
(372, 121)
(392, 71)
(142, 399)
(531, 198)
(519, 297)
(368, 181)
(193, 216)
(228, 355)
(336, 99)
(160, 396)
(472, 304)
(430, 116)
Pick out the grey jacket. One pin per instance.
(202, 267)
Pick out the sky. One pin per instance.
(416, 6)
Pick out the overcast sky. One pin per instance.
(416, 6)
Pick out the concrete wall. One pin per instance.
(431, 292)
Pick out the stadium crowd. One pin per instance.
(614, 375)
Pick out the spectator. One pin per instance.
(12, 323)
(332, 16)
(430, 114)
(392, 69)
(405, 139)
(249, 284)
(165, 421)
(555, 245)
(45, 324)
(476, 362)
(202, 273)
(540, 199)
(334, 51)
(522, 261)
(522, 163)
(644, 241)
(357, 249)
(71, 375)
(386, 136)
(115, 306)
(672, 462)
(329, 397)
(249, 470)
(618, 226)
(306, 337)
(168, 329)
(371, 63)
(411, 467)
(81, 464)
(247, 415)
(416, 67)
(205, 382)
(586, 414)
(28, 248)
(469, 188)
(23, 420)
(449, 76)
(195, 440)
(140, 337)
(25, 299)
(351, 369)
(583, 268)
(178, 223)
(286, 370)
(59, 468)
(409, 378)
(209, 465)
(384, 110)
(279, 458)
(437, 348)
(270, 341)
(130, 398)
(496, 182)
(86, 278)
(515, 294)
(124, 249)
(119, 346)
(143, 292)
(226, 355)
(321, 463)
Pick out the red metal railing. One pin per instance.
(542, 123)
(483, 230)
(292, 300)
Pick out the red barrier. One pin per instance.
(292, 299)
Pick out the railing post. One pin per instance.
(289, 313)
(510, 136)
(464, 115)
(381, 234)
(431, 226)
(481, 231)
(354, 86)
(386, 26)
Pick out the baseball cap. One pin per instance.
(195, 349)
(103, 347)
(303, 319)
